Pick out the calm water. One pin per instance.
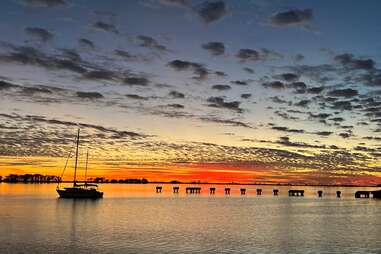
(134, 219)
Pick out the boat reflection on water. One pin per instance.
(80, 191)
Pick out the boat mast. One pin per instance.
(76, 161)
(87, 158)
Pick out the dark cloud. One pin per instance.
(45, 3)
(99, 74)
(31, 56)
(315, 90)
(151, 43)
(342, 105)
(220, 74)
(176, 105)
(136, 81)
(245, 95)
(211, 11)
(177, 95)
(276, 99)
(220, 102)
(106, 27)
(179, 3)
(299, 86)
(86, 43)
(286, 129)
(89, 95)
(349, 61)
(221, 87)
(248, 55)
(319, 115)
(214, 48)
(324, 133)
(274, 85)
(198, 69)
(6, 85)
(39, 33)
(136, 97)
(345, 134)
(285, 141)
(343, 92)
(287, 77)
(292, 17)
(33, 90)
(249, 70)
(302, 103)
(226, 121)
(240, 82)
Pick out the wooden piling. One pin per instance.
(276, 192)
(227, 191)
(338, 194)
(320, 193)
(176, 189)
(158, 189)
(212, 190)
(259, 191)
(243, 191)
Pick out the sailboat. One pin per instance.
(85, 190)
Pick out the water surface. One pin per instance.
(134, 219)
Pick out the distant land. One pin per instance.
(39, 178)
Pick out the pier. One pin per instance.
(158, 189)
(243, 191)
(259, 192)
(212, 190)
(193, 190)
(296, 193)
(227, 191)
(176, 189)
(275, 192)
(362, 194)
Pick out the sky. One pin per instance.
(217, 91)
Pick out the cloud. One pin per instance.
(219, 102)
(323, 133)
(39, 33)
(86, 43)
(176, 95)
(315, 90)
(99, 75)
(245, 95)
(240, 82)
(349, 61)
(214, 48)
(248, 70)
(221, 87)
(106, 27)
(151, 43)
(286, 129)
(89, 95)
(302, 103)
(287, 77)
(176, 106)
(6, 85)
(253, 55)
(274, 85)
(198, 69)
(211, 11)
(343, 93)
(136, 97)
(45, 3)
(342, 105)
(136, 81)
(294, 17)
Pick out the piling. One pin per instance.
(338, 194)
(320, 193)
(158, 189)
(362, 194)
(296, 193)
(176, 189)
(276, 192)
(227, 191)
(259, 191)
(212, 190)
(243, 191)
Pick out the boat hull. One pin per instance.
(80, 193)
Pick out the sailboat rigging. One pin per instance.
(85, 190)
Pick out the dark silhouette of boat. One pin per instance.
(85, 190)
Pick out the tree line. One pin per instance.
(30, 178)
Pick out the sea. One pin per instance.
(133, 218)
